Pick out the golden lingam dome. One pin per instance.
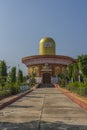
(47, 46)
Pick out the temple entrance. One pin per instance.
(46, 78)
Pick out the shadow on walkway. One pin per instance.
(45, 85)
(43, 125)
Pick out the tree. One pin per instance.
(70, 71)
(82, 62)
(75, 71)
(3, 72)
(13, 75)
(3, 68)
(62, 80)
(20, 76)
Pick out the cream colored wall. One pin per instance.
(34, 69)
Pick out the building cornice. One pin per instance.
(50, 59)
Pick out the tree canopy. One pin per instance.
(82, 62)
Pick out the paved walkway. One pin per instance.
(43, 109)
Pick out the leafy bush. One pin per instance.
(5, 93)
(32, 82)
(78, 87)
(15, 89)
(24, 84)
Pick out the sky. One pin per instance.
(24, 22)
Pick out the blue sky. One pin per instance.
(24, 22)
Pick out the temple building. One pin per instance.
(47, 65)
